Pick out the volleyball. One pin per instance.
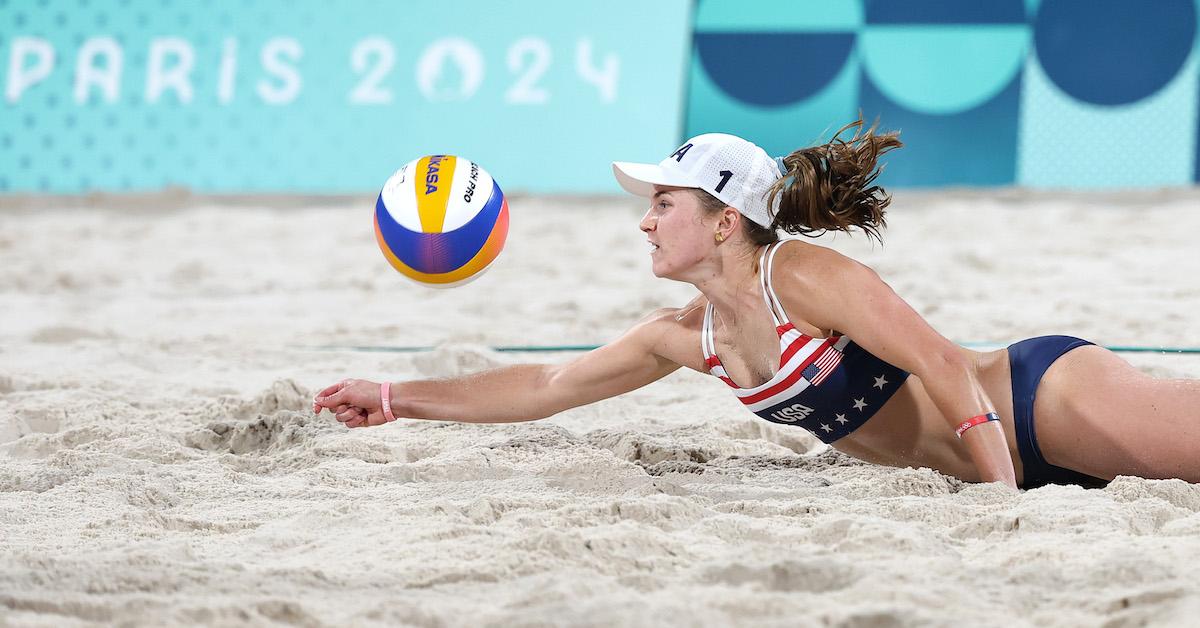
(441, 220)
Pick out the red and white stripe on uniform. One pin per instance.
(803, 360)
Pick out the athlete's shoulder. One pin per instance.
(804, 265)
(674, 333)
(689, 316)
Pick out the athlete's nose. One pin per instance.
(649, 223)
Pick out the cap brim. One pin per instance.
(640, 179)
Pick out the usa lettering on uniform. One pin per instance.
(792, 413)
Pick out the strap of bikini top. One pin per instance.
(767, 264)
(706, 334)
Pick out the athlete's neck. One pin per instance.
(730, 281)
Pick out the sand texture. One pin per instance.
(160, 465)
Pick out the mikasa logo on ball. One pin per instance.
(431, 174)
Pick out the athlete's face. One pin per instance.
(678, 231)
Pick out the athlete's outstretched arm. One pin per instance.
(836, 292)
(522, 392)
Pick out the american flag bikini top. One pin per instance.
(829, 386)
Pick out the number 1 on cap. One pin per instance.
(725, 176)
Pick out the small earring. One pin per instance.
(720, 238)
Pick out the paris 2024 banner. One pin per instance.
(315, 97)
(309, 96)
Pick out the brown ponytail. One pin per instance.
(828, 187)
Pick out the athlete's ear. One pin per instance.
(728, 223)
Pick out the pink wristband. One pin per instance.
(973, 421)
(385, 397)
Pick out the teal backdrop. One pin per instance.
(1042, 93)
(311, 96)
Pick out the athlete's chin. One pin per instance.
(661, 270)
(666, 273)
(675, 269)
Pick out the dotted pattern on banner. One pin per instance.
(1063, 142)
(51, 143)
(381, 82)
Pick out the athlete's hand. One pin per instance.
(355, 402)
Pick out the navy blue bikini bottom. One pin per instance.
(1028, 361)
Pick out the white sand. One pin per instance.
(159, 465)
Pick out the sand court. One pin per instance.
(160, 464)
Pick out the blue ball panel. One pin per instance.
(440, 252)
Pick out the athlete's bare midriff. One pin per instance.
(910, 431)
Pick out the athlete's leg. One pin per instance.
(1098, 414)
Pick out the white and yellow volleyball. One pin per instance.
(441, 220)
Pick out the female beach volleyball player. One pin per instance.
(805, 336)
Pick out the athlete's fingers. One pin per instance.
(367, 419)
(334, 409)
(332, 396)
(360, 420)
(321, 399)
(332, 388)
(348, 414)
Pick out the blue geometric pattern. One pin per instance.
(949, 74)
(773, 69)
(1114, 52)
(945, 12)
(977, 146)
(1064, 142)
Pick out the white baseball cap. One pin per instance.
(734, 170)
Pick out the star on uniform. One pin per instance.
(841, 418)
(879, 382)
(860, 403)
(825, 426)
